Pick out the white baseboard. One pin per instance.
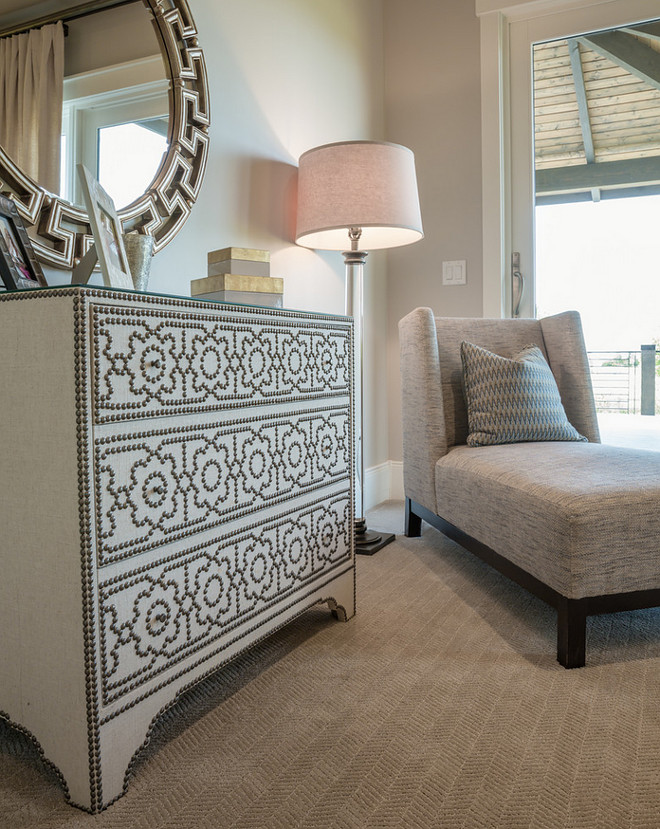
(396, 481)
(383, 482)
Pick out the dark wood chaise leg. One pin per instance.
(572, 632)
(413, 522)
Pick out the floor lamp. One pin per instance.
(360, 195)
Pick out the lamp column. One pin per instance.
(368, 190)
(365, 540)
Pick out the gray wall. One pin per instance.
(109, 37)
(433, 106)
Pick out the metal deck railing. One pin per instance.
(624, 382)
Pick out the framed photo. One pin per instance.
(19, 267)
(106, 228)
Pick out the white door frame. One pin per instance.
(548, 19)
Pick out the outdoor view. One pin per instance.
(607, 266)
(597, 177)
(603, 260)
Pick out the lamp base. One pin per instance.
(368, 542)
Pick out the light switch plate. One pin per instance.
(454, 272)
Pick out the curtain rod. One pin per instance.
(72, 13)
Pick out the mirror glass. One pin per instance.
(128, 156)
(116, 107)
(135, 112)
(115, 115)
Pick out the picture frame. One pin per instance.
(19, 266)
(107, 232)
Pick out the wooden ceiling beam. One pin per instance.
(627, 51)
(583, 108)
(650, 31)
(605, 195)
(581, 95)
(633, 172)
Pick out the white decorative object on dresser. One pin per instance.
(177, 485)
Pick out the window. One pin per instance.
(115, 122)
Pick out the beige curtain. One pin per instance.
(31, 89)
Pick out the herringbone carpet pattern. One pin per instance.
(439, 705)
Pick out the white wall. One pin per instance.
(433, 106)
(285, 76)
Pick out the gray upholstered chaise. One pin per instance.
(578, 524)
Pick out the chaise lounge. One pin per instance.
(574, 521)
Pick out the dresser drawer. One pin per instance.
(148, 363)
(157, 486)
(155, 617)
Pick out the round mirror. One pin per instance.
(140, 125)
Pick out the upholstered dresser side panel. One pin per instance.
(42, 669)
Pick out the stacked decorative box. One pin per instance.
(239, 275)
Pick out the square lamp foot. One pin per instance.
(368, 542)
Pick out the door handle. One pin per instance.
(518, 283)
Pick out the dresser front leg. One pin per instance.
(342, 600)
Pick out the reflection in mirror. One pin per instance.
(31, 78)
(133, 69)
(106, 68)
(102, 95)
(128, 157)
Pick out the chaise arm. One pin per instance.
(424, 439)
(567, 355)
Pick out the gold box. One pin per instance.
(245, 261)
(249, 254)
(240, 288)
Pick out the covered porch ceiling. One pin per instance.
(597, 115)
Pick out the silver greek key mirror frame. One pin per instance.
(60, 231)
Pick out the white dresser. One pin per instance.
(176, 485)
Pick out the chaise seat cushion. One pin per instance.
(584, 518)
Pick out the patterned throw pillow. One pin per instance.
(512, 400)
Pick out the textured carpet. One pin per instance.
(439, 705)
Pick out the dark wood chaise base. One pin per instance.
(571, 613)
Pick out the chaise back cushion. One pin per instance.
(495, 335)
(434, 415)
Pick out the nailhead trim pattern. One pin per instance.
(156, 616)
(42, 755)
(162, 485)
(148, 364)
(131, 703)
(233, 588)
(88, 574)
